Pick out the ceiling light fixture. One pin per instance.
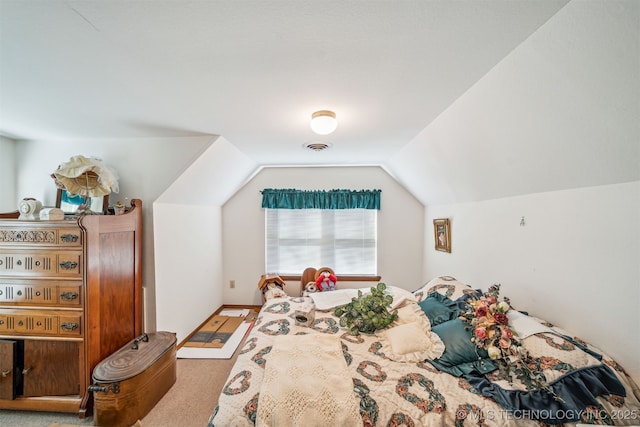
(323, 122)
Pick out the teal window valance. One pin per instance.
(321, 199)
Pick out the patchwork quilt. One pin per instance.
(392, 391)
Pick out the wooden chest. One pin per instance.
(129, 383)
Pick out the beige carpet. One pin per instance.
(192, 399)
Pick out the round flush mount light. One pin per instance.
(323, 122)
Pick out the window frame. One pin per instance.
(326, 221)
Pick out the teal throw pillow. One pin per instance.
(460, 356)
(438, 308)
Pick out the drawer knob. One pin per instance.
(69, 326)
(69, 238)
(25, 371)
(6, 373)
(68, 265)
(20, 323)
(68, 296)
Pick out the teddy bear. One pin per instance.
(326, 281)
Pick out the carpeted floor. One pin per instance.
(192, 399)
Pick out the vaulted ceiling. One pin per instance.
(459, 100)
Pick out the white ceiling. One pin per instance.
(459, 101)
(251, 71)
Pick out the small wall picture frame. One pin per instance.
(442, 234)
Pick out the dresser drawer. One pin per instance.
(64, 236)
(41, 263)
(42, 323)
(51, 293)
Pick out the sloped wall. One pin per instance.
(550, 133)
(561, 111)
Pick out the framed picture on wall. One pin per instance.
(442, 234)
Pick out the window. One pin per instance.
(344, 239)
(334, 228)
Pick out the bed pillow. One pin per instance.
(438, 308)
(410, 313)
(325, 301)
(410, 342)
(400, 296)
(460, 356)
(445, 285)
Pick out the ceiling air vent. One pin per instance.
(317, 146)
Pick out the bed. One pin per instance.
(299, 367)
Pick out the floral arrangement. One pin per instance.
(490, 330)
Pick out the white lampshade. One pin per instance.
(323, 122)
(86, 176)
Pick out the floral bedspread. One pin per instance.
(410, 394)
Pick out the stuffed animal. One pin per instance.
(326, 281)
(273, 290)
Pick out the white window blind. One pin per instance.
(342, 239)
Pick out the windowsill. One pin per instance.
(345, 278)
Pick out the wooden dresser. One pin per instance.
(70, 295)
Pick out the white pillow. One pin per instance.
(409, 342)
(525, 325)
(331, 299)
(400, 296)
(412, 313)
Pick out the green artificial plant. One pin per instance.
(367, 313)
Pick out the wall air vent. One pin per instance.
(317, 146)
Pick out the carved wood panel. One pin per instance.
(51, 368)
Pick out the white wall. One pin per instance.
(146, 166)
(8, 198)
(400, 226)
(188, 237)
(575, 262)
(189, 260)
